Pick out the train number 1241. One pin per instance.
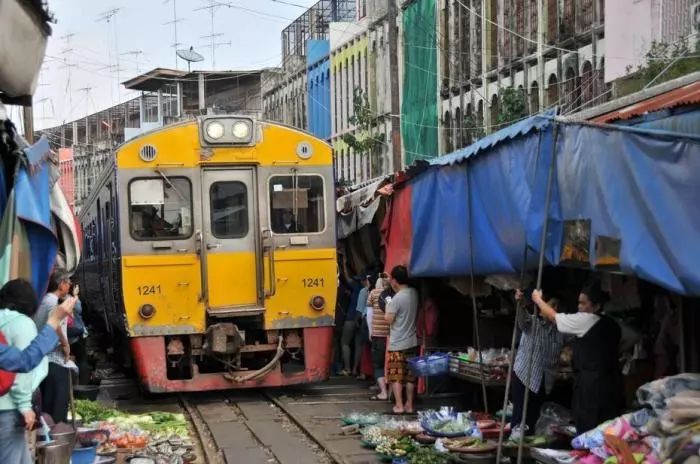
(309, 283)
(148, 290)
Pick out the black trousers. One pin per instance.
(55, 393)
(534, 404)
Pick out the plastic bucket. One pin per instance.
(84, 455)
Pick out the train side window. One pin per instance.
(297, 204)
(229, 209)
(160, 209)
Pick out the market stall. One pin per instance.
(107, 435)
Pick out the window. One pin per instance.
(229, 209)
(160, 208)
(297, 204)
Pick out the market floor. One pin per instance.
(318, 409)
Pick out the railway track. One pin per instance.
(281, 426)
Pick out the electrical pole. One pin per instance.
(392, 15)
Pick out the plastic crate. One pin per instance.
(430, 366)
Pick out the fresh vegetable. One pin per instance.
(91, 411)
(396, 448)
(428, 455)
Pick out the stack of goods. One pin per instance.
(161, 436)
(495, 363)
(667, 431)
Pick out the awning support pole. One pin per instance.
(518, 308)
(473, 295)
(540, 268)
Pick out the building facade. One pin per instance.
(661, 21)
(553, 58)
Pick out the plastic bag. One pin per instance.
(552, 416)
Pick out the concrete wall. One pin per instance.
(628, 28)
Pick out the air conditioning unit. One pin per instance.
(695, 18)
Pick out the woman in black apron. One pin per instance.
(598, 388)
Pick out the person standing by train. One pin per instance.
(598, 387)
(401, 314)
(379, 331)
(55, 393)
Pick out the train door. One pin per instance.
(229, 242)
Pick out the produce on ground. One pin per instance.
(462, 443)
(132, 430)
(91, 411)
(428, 455)
(396, 448)
(362, 418)
(446, 422)
(533, 440)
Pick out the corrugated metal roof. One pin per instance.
(514, 130)
(687, 95)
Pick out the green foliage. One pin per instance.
(679, 57)
(366, 140)
(473, 128)
(513, 106)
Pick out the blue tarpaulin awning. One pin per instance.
(636, 187)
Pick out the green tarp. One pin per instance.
(419, 111)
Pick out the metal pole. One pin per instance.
(543, 242)
(397, 159)
(473, 295)
(28, 116)
(499, 452)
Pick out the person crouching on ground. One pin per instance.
(401, 313)
(55, 393)
(19, 304)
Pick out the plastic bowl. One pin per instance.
(84, 455)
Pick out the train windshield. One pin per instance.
(296, 204)
(160, 209)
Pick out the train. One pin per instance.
(210, 255)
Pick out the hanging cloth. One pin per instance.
(68, 256)
(34, 213)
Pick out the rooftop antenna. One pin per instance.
(213, 44)
(135, 54)
(174, 22)
(190, 56)
(108, 17)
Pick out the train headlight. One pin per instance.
(147, 311)
(215, 130)
(225, 130)
(317, 303)
(241, 130)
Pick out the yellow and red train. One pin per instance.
(210, 246)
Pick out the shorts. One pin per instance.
(398, 371)
(378, 356)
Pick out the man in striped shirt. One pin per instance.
(379, 331)
(542, 351)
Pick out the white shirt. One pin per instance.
(576, 324)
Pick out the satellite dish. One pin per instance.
(190, 56)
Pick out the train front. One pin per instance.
(228, 266)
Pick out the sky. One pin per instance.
(80, 74)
